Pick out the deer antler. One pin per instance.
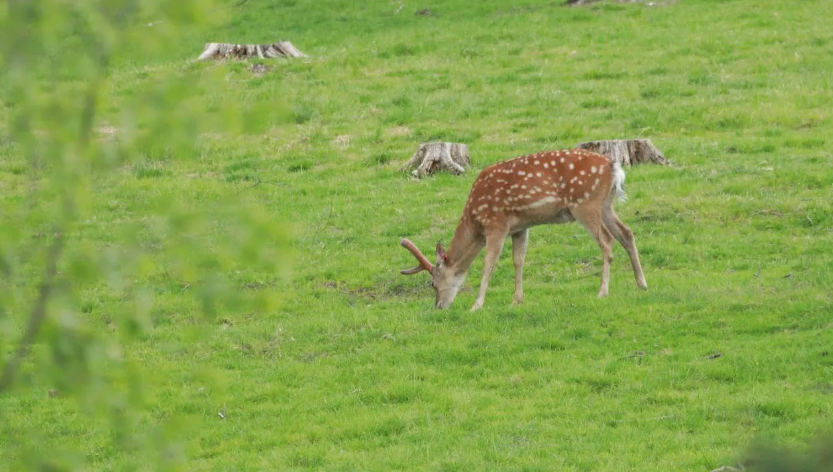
(423, 261)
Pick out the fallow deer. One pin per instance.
(509, 197)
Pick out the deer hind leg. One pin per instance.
(520, 242)
(591, 219)
(624, 235)
(494, 246)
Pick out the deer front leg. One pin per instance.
(520, 243)
(494, 245)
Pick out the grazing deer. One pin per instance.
(510, 197)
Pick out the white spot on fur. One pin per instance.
(593, 169)
(571, 166)
(541, 202)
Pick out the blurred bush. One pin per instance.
(769, 456)
(57, 115)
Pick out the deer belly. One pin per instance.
(561, 217)
(540, 217)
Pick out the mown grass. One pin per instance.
(346, 367)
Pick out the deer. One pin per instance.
(512, 196)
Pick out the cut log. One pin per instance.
(245, 51)
(576, 3)
(627, 152)
(433, 157)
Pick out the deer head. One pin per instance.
(444, 280)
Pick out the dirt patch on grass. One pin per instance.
(342, 141)
(374, 293)
(398, 131)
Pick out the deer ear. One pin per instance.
(441, 255)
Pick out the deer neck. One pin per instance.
(465, 246)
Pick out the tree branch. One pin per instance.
(36, 317)
(38, 313)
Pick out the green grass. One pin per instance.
(345, 366)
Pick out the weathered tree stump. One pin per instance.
(245, 51)
(433, 157)
(627, 152)
(576, 3)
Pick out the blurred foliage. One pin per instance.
(770, 456)
(56, 119)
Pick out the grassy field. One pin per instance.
(340, 363)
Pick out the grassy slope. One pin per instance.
(353, 371)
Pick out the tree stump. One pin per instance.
(627, 152)
(245, 51)
(433, 157)
(576, 3)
